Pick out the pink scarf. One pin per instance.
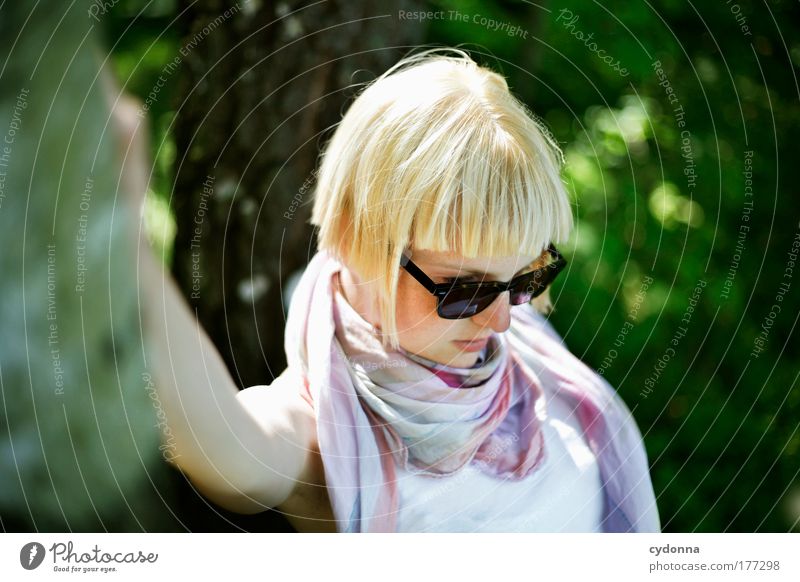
(376, 410)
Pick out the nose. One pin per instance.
(498, 315)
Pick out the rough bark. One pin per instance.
(260, 94)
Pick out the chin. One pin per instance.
(463, 360)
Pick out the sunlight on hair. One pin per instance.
(437, 154)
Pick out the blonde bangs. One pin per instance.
(500, 202)
(437, 154)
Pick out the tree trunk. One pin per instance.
(80, 447)
(262, 88)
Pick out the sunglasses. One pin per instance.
(461, 300)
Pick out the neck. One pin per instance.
(357, 295)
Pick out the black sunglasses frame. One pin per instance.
(542, 277)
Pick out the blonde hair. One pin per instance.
(437, 154)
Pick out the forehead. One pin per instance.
(452, 262)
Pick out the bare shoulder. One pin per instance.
(281, 411)
(279, 407)
(308, 506)
(278, 457)
(279, 402)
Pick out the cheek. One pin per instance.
(421, 331)
(416, 316)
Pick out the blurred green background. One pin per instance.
(678, 123)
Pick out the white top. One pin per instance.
(563, 494)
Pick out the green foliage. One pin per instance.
(657, 199)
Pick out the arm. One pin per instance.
(242, 450)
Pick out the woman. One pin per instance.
(424, 392)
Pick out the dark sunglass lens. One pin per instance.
(532, 286)
(521, 297)
(463, 303)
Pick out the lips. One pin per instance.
(471, 345)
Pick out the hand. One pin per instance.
(131, 134)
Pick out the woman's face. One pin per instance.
(453, 342)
